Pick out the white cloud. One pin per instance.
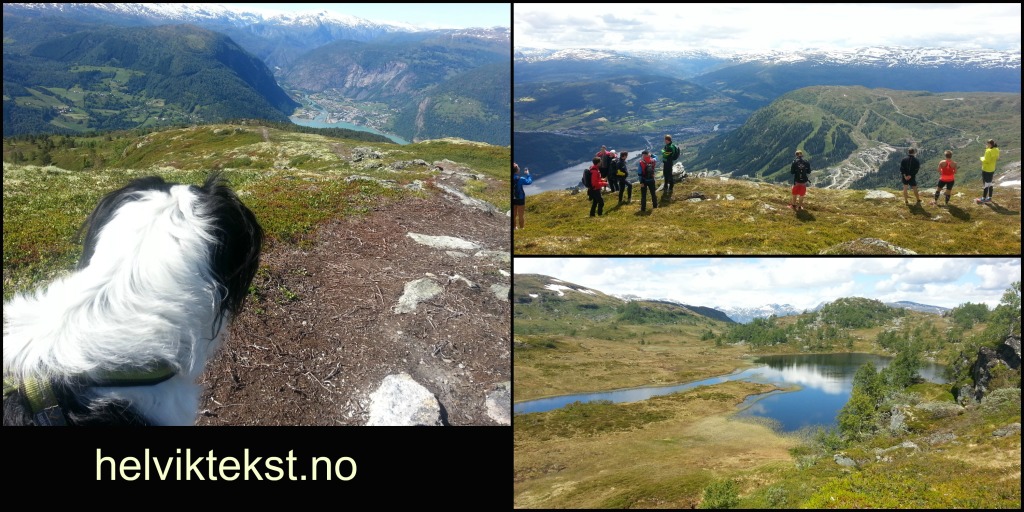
(766, 26)
(999, 275)
(802, 282)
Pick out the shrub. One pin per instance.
(776, 497)
(721, 494)
(1002, 400)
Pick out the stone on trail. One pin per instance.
(416, 292)
(401, 401)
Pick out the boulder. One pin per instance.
(879, 194)
(867, 246)
(1012, 428)
(843, 461)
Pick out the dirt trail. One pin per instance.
(323, 335)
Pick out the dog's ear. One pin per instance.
(106, 209)
(234, 259)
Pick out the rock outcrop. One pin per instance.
(987, 364)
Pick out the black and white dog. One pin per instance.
(124, 338)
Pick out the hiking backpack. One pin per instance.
(586, 178)
(801, 171)
(607, 162)
(675, 152)
(646, 171)
(622, 171)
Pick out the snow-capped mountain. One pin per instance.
(199, 14)
(880, 56)
(747, 315)
(924, 308)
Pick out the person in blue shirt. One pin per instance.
(519, 195)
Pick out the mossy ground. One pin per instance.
(758, 221)
(292, 181)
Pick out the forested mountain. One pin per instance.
(116, 78)
(570, 101)
(855, 137)
(441, 83)
(405, 80)
(546, 304)
(630, 112)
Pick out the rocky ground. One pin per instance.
(325, 327)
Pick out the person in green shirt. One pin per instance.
(669, 155)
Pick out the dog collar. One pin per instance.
(132, 377)
(41, 400)
(46, 410)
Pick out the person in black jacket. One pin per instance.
(908, 174)
(800, 170)
(621, 173)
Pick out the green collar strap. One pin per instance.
(46, 410)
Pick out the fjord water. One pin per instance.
(825, 382)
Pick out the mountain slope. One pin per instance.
(277, 40)
(442, 83)
(855, 137)
(116, 78)
(545, 304)
(338, 215)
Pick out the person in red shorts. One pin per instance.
(800, 170)
(947, 171)
(597, 182)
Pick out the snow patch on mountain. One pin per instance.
(747, 315)
(879, 56)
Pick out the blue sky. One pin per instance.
(802, 282)
(753, 27)
(426, 15)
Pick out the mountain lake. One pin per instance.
(825, 382)
(320, 121)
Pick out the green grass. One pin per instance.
(759, 221)
(292, 184)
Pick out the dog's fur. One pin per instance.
(164, 269)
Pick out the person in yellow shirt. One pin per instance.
(988, 170)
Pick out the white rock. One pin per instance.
(401, 401)
(416, 292)
(444, 242)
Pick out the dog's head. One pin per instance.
(163, 270)
(209, 219)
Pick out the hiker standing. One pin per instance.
(519, 195)
(947, 173)
(621, 173)
(594, 188)
(669, 154)
(988, 170)
(800, 170)
(607, 158)
(908, 174)
(646, 174)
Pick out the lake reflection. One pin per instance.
(825, 381)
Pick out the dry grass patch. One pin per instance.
(663, 463)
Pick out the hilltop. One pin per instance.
(347, 224)
(757, 220)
